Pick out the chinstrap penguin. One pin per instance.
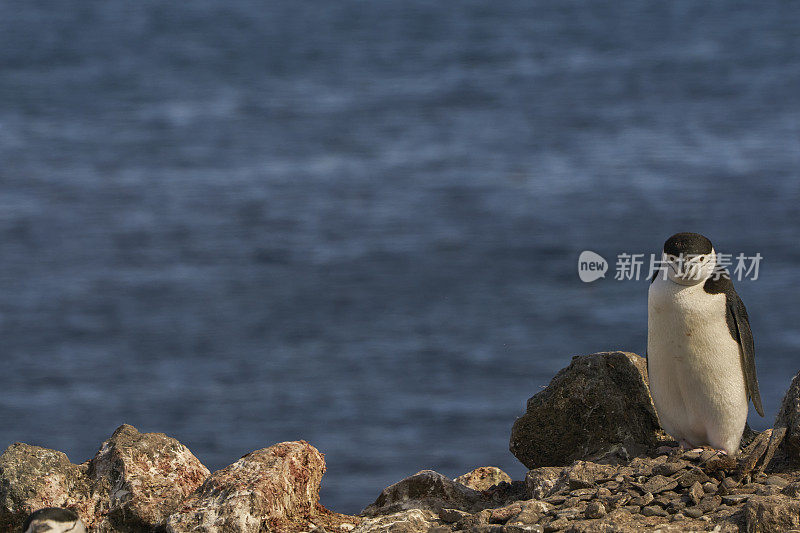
(700, 355)
(53, 520)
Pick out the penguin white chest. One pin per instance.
(694, 366)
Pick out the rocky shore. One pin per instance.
(598, 463)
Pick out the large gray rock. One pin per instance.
(597, 407)
(145, 477)
(266, 490)
(789, 417)
(32, 478)
(424, 490)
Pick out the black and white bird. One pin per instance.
(53, 520)
(700, 353)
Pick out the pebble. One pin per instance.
(633, 509)
(709, 487)
(583, 494)
(691, 455)
(777, 481)
(450, 515)
(653, 510)
(768, 490)
(677, 505)
(668, 469)
(726, 485)
(658, 484)
(688, 478)
(705, 455)
(665, 450)
(556, 525)
(693, 512)
(677, 517)
(523, 528)
(644, 499)
(695, 492)
(792, 490)
(735, 499)
(603, 492)
(568, 513)
(709, 503)
(595, 510)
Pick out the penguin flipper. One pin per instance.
(745, 337)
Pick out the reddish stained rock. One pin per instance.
(263, 491)
(483, 478)
(145, 477)
(32, 478)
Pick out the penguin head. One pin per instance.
(53, 520)
(689, 258)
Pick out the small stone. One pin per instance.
(583, 494)
(617, 500)
(662, 500)
(735, 499)
(709, 503)
(676, 505)
(665, 450)
(670, 468)
(595, 510)
(523, 528)
(727, 484)
(792, 490)
(695, 492)
(778, 481)
(691, 455)
(705, 455)
(571, 501)
(768, 490)
(603, 492)
(644, 499)
(693, 512)
(503, 514)
(677, 517)
(709, 487)
(721, 462)
(473, 520)
(569, 513)
(688, 478)
(556, 525)
(452, 515)
(653, 510)
(543, 482)
(657, 484)
(347, 526)
(527, 516)
(633, 509)
(483, 478)
(536, 506)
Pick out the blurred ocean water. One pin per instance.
(358, 223)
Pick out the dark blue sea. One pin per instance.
(358, 222)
